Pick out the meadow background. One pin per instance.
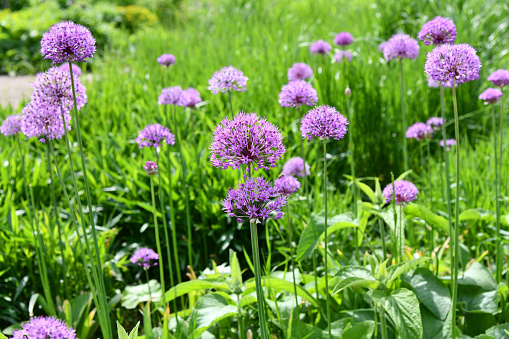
(263, 39)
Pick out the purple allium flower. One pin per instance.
(170, 96)
(405, 192)
(228, 79)
(247, 139)
(286, 185)
(320, 47)
(299, 71)
(154, 135)
(491, 95)
(145, 257)
(44, 328)
(343, 39)
(253, 200)
(67, 42)
(432, 83)
(43, 121)
(448, 144)
(448, 63)
(190, 97)
(435, 123)
(295, 166)
(419, 131)
(499, 78)
(76, 70)
(381, 46)
(323, 122)
(297, 93)
(166, 60)
(150, 167)
(11, 125)
(438, 31)
(401, 46)
(342, 55)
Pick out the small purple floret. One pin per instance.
(401, 46)
(320, 47)
(166, 60)
(438, 31)
(154, 136)
(11, 125)
(228, 79)
(295, 166)
(405, 192)
(435, 123)
(448, 144)
(145, 257)
(499, 78)
(150, 167)
(190, 97)
(419, 131)
(343, 39)
(299, 71)
(342, 55)
(297, 93)
(491, 95)
(170, 96)
(286, 185)
(323, 122)
(44, 328)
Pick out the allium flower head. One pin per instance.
(166, 60)
(247, 139)
(448, 144)
(438, 31)
(381, 46)
(299, 71)
(171, 96)
(323, 122)
(44, 328)
(435, 123)
(499, 78)
(154, 135)
(67, 42)
(342, 55)
(11, 125)
(405, 192)
(491, 95)
(297, 93)
(286, 185)
(150, 167)
(295, 166)
(419, 131)
(254, 199)
(343, 39)
(401, 46)
(450, 64)
(320, 47)
(228, 79)
(190, 97)
(43, 121)
(145, 257)
(76, 70)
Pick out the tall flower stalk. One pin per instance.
(228, 79)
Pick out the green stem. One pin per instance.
(158, 243)
(382, 235)
(291, 253)
(403, 118)
(498, 174)
(430, 195)
(352, 158)
(258, 280)
(395, 215)
(230, 100)
(148, 284)
(383, 322)
(326, 238)
(457, 210)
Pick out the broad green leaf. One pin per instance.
(66, 306)
(359, 282)
(134, 332)
(499, 331)
(236, 275)
(133, 295)
(485, 336)
(209, 310)
(478, 275)
(79, 306)
(388, 216)
(362, 330)
(435, 221)
(395, 271)
(196, 285)
(474, 299)
(122, 334)
(353, 276)
(2, 336)
(434, 328)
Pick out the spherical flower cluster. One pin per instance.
(228, 79)
(299, 71)
(448, 144)
(43, 121)
(166, 60)
(343, 39)
(76, 70)
(405, 192)
(401, 46)
(297, 93)
(435, 123)
(381, 46)
(150, 167)
(453, 64)
(170, 96)
(342, 55)
(320, 47)
(438, 31)
(190, 97)
(44, 328)
(145, 257)
(286, 185)
(247, 139)
(154, 135)
(67, 42)
(419, 131)
(295, 166)
(490, 95)
(323, 122)
(11, 125)
(499, 78)
(254, 199)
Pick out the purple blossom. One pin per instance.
(323, 122)
(228, 79)
(150, 167)
(419, 131)
(154, 135)
(499, 78)
(297, 93)
(145, 257)
(11, 125)
(299, 71)
(381, 46)
(342, 55)
(286, 185)
(67, 42)
(44, 328)
(438, 31)
(450, 64)
(43, 121)
(435, 123)
(254, 199)
(295, 166)
(320, 47)
(170, 96)
(247, 139)
(432, 83)
(343, 39)
(166, 60)
(190, 97)
(405, 192)
(448, 143)
(401, 46)
(76, 70)
(491, 95)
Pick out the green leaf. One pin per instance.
(397, 270)
(79, 305)
(353, 276)
(362, 330)
(359, 282)
(147, 321)
(499, 331)
(2, 336)
(133, 295)
(209, 310)
(485, 336)
(435, 221)
(134, 332)
(122, 334)
(403, 175)
(236, 275)
(474, 299)
(478, 275)
(196, 285)
(435, 328)
(367, 190)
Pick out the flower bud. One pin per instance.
(348, 92)
(150, 167)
